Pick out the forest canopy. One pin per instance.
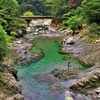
(10, 23)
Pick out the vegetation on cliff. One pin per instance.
(10, 23)
(79, 13)
(3, 43)
(38, 7)
(84, 15)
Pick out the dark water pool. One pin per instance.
(34, 89)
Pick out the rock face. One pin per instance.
(91, 79)
(24, 56)
(21, 47)
(88, 53)
(65, 74)
(9, 88)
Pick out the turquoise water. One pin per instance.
(34, 89)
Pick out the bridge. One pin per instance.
(36, 17)
(55, 20)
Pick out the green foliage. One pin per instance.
(48, 0)
(38, 7)
(9, 16)
(64, 27)
(3, 43)
(13, 34)
(28, 13)
(59, 7)
(10, 7)
(91, 10)
(64, 23)
(69, 14)
(94, 29)
(74, 23)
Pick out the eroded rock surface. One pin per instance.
(65, 74)
(24, 56)
(9, 87)
(88, 53)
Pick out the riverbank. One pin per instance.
(87, 52)
(34, 77)
(9, 87)
(82, 48)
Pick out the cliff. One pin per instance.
(9, 87)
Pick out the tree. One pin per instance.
(59, 7)
(11, 7)
(91, 10)
(3, 43)
(75, 22)
(38, 7)
(9, 14)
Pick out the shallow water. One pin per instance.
(35, 89)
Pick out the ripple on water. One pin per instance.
(37, 86)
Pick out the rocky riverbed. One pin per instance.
(9, 88)
(78, 46)
(86, 51)
(81, 48)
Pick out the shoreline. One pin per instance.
(83, 50)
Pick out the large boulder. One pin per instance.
(9, 87)
(90, 79)
(88, 53)
(70, 40)
(9, 82)
(7, 66)
(65, 74)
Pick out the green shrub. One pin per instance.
(3, 43)
(73, 23)
(28, 13)
(91, 10)
(13, 34)
(94, 29)
(64, 27)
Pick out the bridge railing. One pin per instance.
(37, 17)
(55, 20)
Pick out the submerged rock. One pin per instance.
(65, 74)
(48, 78)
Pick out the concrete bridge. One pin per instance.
(56, 21)
(36, 17)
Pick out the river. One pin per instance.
(40, 89)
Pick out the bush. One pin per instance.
(64, 27)
(28, 13)
(73, 23)
(3, 43)
(91, 10)
(94, 29)
(13, 34)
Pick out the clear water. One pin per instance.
(34, 89)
